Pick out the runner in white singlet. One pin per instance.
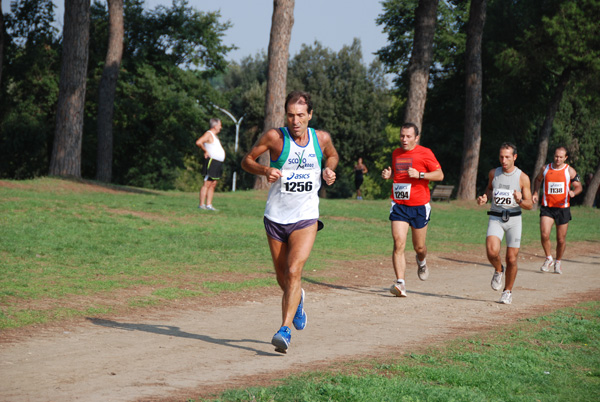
(297, 154)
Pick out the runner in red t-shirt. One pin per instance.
(413, 167)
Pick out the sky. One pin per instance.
(334, 23)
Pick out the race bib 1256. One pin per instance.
(298, 181)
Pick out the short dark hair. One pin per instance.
(413, 126)
(300, 97)
(509, 145)
(213, 122)
(562, 147)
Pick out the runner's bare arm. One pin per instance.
(575, 183)
(436, 175)
(331, 155)
(523, 197)
(386, 173)
(482, 199)
(536, 187)
(267, 142)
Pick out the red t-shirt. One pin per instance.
(407, 191)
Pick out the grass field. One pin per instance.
(66, 247)
(555, 357)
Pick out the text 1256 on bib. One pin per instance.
(298, 181)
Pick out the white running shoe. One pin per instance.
(557, 268)
(506, 297)
(423, 272)
(497, 279)
(398, 290)
(547, 264)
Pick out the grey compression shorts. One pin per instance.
(512, 228)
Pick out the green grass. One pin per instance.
(66, 245)
(555, 357)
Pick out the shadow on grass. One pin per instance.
(107, 186)
(177, 332)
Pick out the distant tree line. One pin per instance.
(539, 88)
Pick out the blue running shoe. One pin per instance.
(300, 319)
(281, 340)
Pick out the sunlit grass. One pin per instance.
(61, 239)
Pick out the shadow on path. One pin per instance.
(175, 331)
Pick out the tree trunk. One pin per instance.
(278, 54)
(107, 89)
(592, 190)
(420, 61)
(1, 40)
(544, 136)
(66, 150)
(472, 140)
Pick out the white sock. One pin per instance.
(549, 257)
(400, 281)
(421, 263)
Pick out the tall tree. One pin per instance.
(546, 129)
(473, 102)
(1, 40)
(564, 42)
(592, 190)
(107, 89)
(30, 89)
(278, 55)
(420, 61)
(66, 151)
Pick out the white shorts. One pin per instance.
(512, 228)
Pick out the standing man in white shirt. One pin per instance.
(214, 156)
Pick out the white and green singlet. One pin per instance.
(294, 196)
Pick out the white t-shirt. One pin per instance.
(215, 149)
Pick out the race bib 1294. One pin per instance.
(401, 191)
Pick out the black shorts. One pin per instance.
(358, 179)
(561, 216)
(212, 169)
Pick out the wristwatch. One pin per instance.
(421, 175)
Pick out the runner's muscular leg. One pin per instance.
(561, 240)
(546, 223)
(418, 238)
(511, 267)
(289, 260)
(492, 247)
(399, 234)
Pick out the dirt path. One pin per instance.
(167, 354)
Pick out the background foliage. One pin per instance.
(175, 70)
